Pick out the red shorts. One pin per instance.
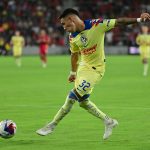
(43, 49)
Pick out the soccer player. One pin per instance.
(143, 40)
(17, 42)
(87, 38)
(43, 41)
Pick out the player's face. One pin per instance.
(144, 29)
(68, 24)
(17, 33)
(43, 32)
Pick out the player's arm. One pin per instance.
(74, 66)
(126, 21)
(74, 61)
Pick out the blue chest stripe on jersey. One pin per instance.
(88, 25)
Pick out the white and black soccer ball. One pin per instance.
(7, 129)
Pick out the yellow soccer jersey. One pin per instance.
(143, 40)
(17, 41)
(90, 42)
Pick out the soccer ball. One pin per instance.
(7, 129)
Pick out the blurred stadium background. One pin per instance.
(32, 15)
(31, 95)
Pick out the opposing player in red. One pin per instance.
(43, 41)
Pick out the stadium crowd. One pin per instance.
(32, 15)
(115, 9)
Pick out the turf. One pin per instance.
(31, 95)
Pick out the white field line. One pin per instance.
(57, 106)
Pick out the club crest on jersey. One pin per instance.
(84, 40)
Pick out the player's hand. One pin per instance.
(71, 78)
(145, 17)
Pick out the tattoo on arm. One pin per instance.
(125, 21)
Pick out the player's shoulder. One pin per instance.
(93, 22)
(104, 24)
(88, 25)
(97, 21)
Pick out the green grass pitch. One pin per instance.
(31, 95)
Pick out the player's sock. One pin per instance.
(44, 65)
(145, 69)
(18, 62)
(93, 109)
(44, 61)
(64, 110)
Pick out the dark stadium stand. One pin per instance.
(32, 15)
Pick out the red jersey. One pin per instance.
(43, 43)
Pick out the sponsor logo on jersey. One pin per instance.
(90, 50)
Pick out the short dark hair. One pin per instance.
(69, 11)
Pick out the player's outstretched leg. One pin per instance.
(94, 110)
(64, 110)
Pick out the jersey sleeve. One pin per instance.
(108, 24)
(104, 24)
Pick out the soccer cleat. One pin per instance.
(44, 65)
(47, 129)
(109, 125)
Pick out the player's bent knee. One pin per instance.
(67, 107)
(71, 101)
(65, 111)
